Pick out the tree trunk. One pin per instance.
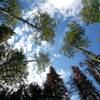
(95, 73)
(86, 88)
(27, 61)
(89, 54)
(18, 18)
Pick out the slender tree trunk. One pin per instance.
(27, 61)
(89, 54)
(18, 18)
(95, 73)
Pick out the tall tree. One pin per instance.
(76, 40)
(12, 7)
(91, 11)
(87, 90)
(54, 88)
(94, 68)
(23, 92)
(12, 65)
(46, 24)
(42, 23)
(93, 64)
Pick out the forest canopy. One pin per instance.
(49, 50)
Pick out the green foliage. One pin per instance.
(75, 38)
(5, 33)
(12, 7)
(46, 26)
(12, 65)
(42, 61)
(91, 11)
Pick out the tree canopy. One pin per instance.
(13, 62)
(12, 7)
(12, 65)
(46, 26)
(74, 38)
(91, 11)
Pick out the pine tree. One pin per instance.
(54, 88)
(12, 7)
(90, 12)
(76, 40)
(12, 65)
(94, 68)
(23, 92)
(42, 23)
(87, 90)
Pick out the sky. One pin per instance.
(64, 11)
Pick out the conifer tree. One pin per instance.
(94, 68)
(75, 40)
(54, 88)
(87, 90)
(12, 7)
(12, 65)
(91, 11)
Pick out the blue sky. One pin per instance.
(64, 11)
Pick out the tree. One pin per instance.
(94, 68)
(23, 92)
(87, 90)
(5, 33)
(42, 61)
(42, 23)
(12, 65)
(93, 64)
(76, 40)
(46, 24)
(54, 88)
(29, 92)
(12, 7)
(91, 11)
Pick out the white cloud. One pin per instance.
(35, 76)
(44, 43)
(63, 8)
(11, 40)
(60, 3)
(18, 31)
(57, 55)
(60, 7)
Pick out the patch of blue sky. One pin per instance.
(93, 33)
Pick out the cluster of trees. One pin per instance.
(76, 41)
(13, 63)
(53, 89)
(86, 89)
